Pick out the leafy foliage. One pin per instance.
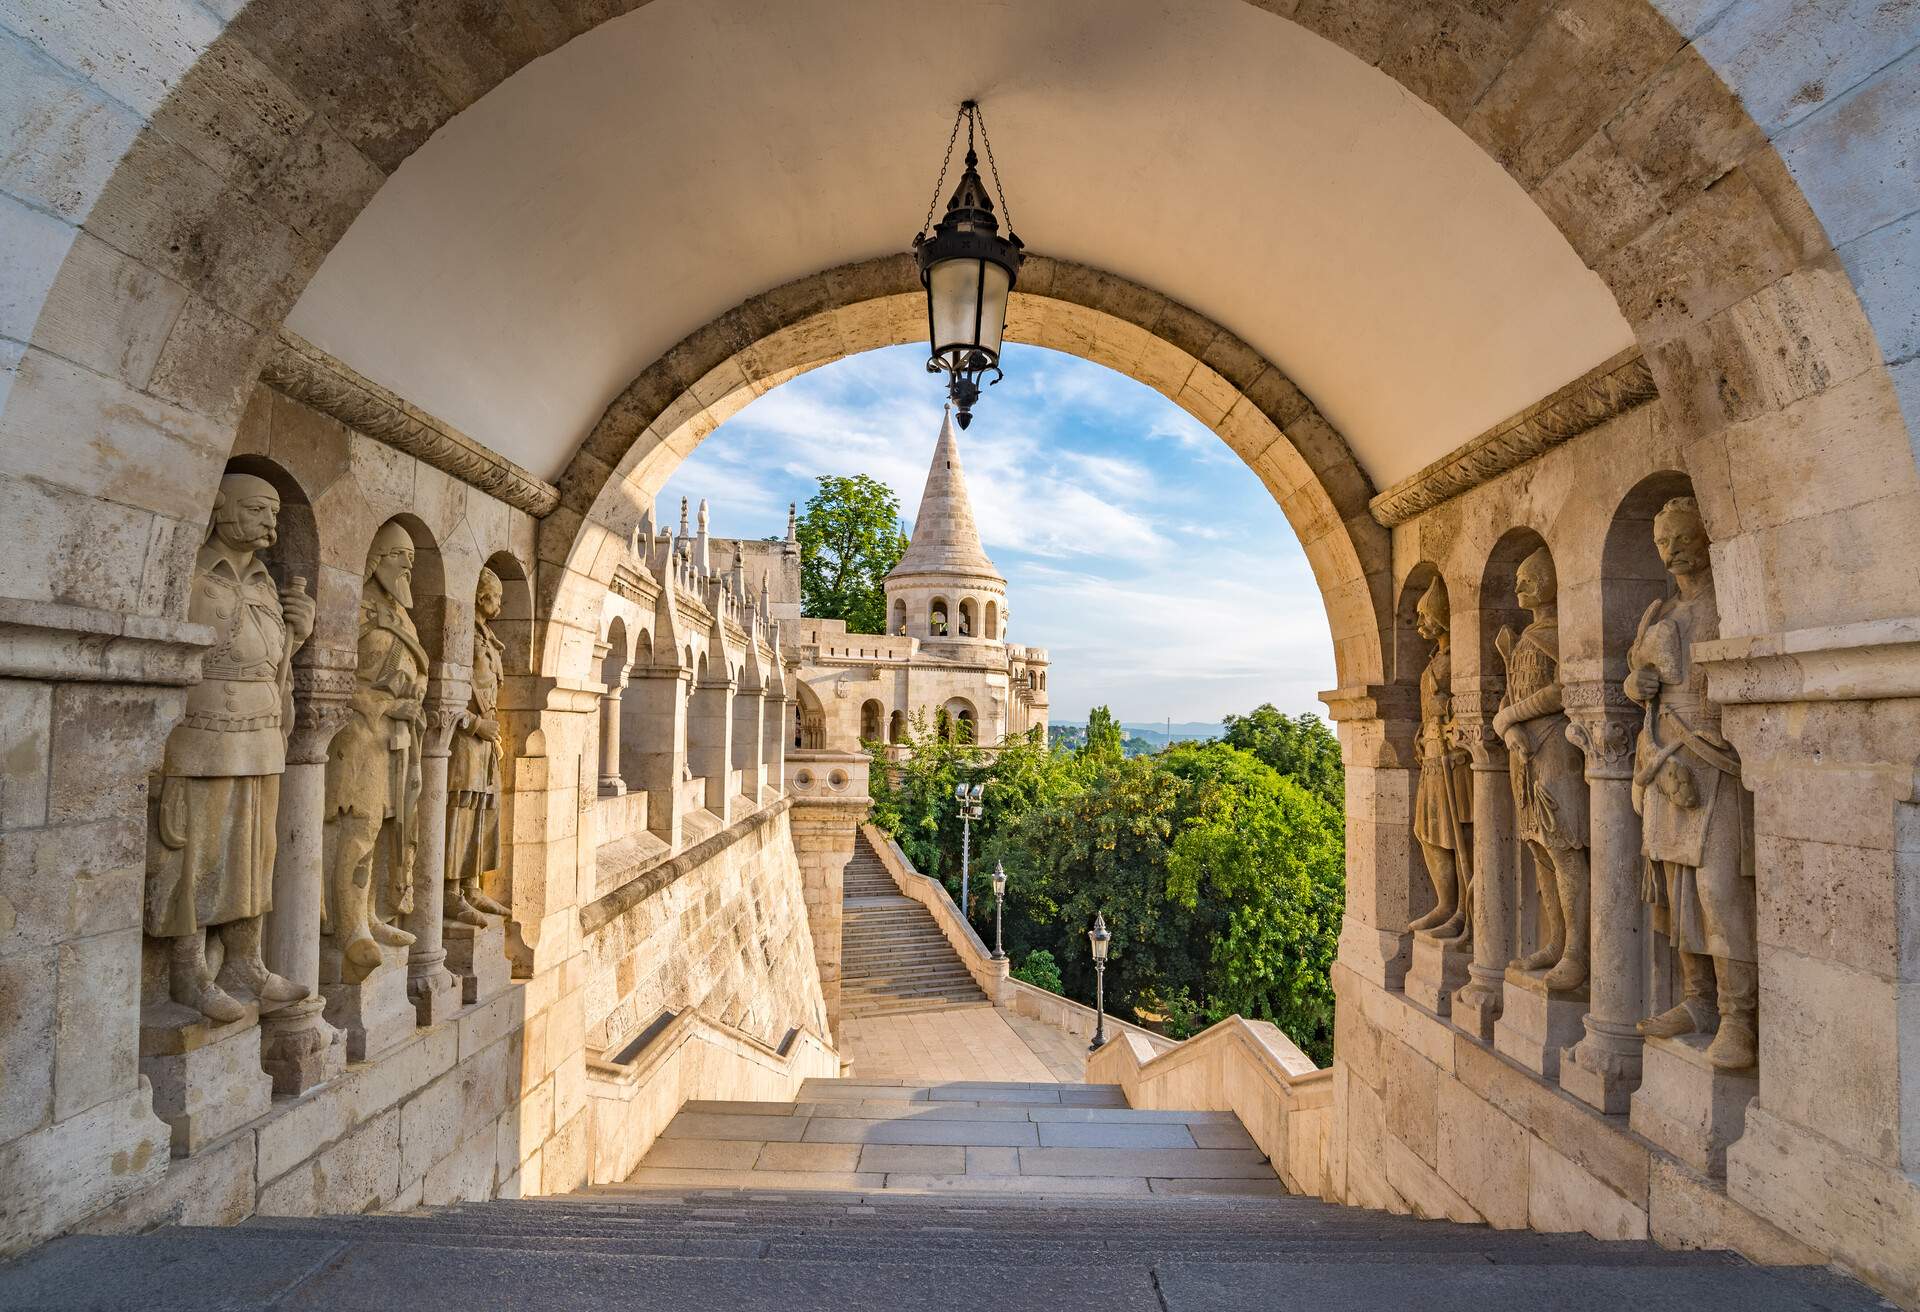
(1299, 746)
(849, 539)
(1039, 970)
(1222, 879)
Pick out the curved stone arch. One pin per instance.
(1250, 403)
(1658, 174)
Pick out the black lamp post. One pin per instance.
(968, 270)
(1099, 938)
(971, 809)
(999, 905)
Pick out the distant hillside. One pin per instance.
(1140, 739)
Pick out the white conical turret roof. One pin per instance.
(945, 539)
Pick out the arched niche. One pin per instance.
(992, 629)
(513, 626)
(872, 717)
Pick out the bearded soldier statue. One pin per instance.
(210, 846)
(373, 763)
(1443, 803)
(1696, 816)
(473, 773)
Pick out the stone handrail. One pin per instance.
(1245, 1067)
(692, 1056)
(1007, 993)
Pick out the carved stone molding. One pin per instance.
(1606, 735)
(1602, 393)
(299, 369)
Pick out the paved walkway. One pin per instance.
(962, 1043)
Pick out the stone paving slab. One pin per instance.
(921, 1159)
(706, 1154)
(1163, 1163)
(1052, 1185)
(1069, 1134)
(918, 1111)
(843, 1157)
(203, 1269)
(698, 1179)
(700, 1125)
(962, 1134)
(1430, 1287)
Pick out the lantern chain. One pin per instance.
(941, 185)
(994, 169)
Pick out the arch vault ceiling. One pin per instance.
(552, 240)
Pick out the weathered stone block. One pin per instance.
(478, 958)
(1685, 1210)
(207, 1078)
(1438, 971)
(375, 1012)
(1562, 1197)
(1537, 1023)
(1483, 1156)
(1687, 1106)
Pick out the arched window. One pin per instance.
(871, 715)
(896, 726)
(899, 625)
(993, 621)
(967, 617)
(937, 617)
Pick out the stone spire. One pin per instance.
(945, 540)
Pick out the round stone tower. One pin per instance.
(945, 590)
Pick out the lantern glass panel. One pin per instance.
(996, 283)
(953, 290)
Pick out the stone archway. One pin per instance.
(681, 398)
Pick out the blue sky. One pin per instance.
(1138, 549)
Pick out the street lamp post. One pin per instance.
(969, 799)
(999, 905)
(1099, 938)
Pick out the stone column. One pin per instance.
(299, 1048)
(655, 756)
(433, 988)
(776, 713)
(1377, 726)
(611, 784)
(1603, 1069)
(748, 742)
(1477, 1005)
(710, 741)
(825, 822)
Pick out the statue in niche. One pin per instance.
(210, 847)
(373, 763)
(1549, 777)
(473, 771)
(1443, 803)
(1696, 816)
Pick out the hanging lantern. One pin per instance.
(968, 270)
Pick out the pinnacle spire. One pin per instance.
(945, 539)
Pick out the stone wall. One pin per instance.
(722, 929)
(1460, 1092)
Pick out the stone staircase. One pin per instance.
(911, 1197)
(893, 957)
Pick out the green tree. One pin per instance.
(1105, 741)
(1299, 746)
(849, 539)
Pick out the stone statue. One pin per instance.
(1549, 777)
(1443, 803)
(473, 772)
(1696, 816)
(210, 846)
(373, 764)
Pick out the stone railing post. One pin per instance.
(655, 755)
(299, 1049)
(1478, 1003)
(710, 741)
(1603, 1069)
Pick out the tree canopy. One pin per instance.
(1298, 746)
(849, 539)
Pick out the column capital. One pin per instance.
(1473, 712)
(1602, 723)
(1372, 701)
(322, 702)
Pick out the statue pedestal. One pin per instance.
(1439, 970)
(206, 1076)
(374, 1009)
(478, 959)
(1536, 1022)
(434, 990)
(300, 1049)
(1688, 1106)
(1476, 1007)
